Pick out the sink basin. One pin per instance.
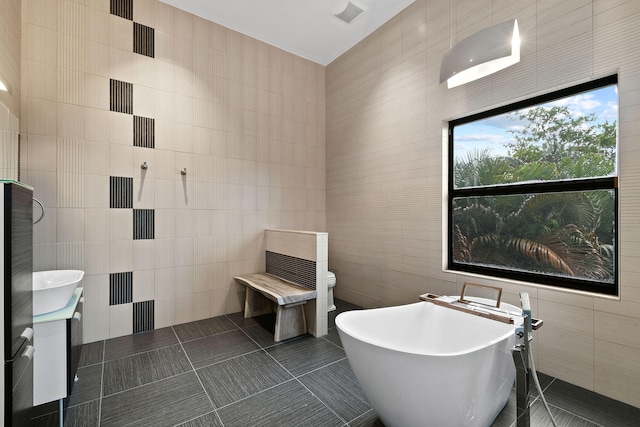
(53, 289)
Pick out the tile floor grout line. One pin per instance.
(182, 373)
(249, 336)
(297, 378)
(208, 336)
(322, 367)
(294, 377)
(325, 366)
(229, 358)
(572, 413)
(321, 401)
(139, 352)
(104, 351)
(204, 389)
(364, 414)
(200, 416)
(257, 393)
(205, 336)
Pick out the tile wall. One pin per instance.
(109, 85)
(10, 75)
(386, 166)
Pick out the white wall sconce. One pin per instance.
(481, 54)
(4, 86)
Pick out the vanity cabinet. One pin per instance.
(16, 266)
(58, 336)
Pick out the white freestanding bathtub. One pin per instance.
(425, 365)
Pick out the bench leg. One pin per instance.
(256, 304)
(290, 322)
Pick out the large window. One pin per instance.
(533, 189)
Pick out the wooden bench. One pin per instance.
(264, 289)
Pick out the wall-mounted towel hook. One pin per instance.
(144, 166)
(183, 171)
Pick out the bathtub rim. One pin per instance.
(340, 326)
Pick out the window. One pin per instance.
(533, 189)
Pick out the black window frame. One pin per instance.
(582, 184)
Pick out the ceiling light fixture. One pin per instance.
(350, 13)
(483, 53)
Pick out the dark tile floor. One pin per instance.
(227, 371)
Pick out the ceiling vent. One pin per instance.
(350, 12)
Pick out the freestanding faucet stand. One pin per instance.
(521, 360)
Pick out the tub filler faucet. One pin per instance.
(521, 360)
(525, 367)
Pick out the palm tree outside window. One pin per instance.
(533, 189)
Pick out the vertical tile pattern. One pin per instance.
(143, 224)
(70, 255)
(143, 40)
(71, 56)
(144, 132)
(120, 288)
(122, 8)
(70, 179)
(10, 51)
(120, 192)
(9, 166)
(121, 96)
(143, 316)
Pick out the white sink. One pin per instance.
(53, 289)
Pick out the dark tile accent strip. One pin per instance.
(143, 316)
(121, 96)
(143, 39)
(144, 130)
(297, 270)
(120, 192)
(120, 288)
(143, 224)
(122, 8)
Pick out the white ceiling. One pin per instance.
(306, 28)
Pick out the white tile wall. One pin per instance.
(202, 88)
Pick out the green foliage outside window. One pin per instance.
(545, 204)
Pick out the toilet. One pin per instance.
(331, 283)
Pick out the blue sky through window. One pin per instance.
(491, 132)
